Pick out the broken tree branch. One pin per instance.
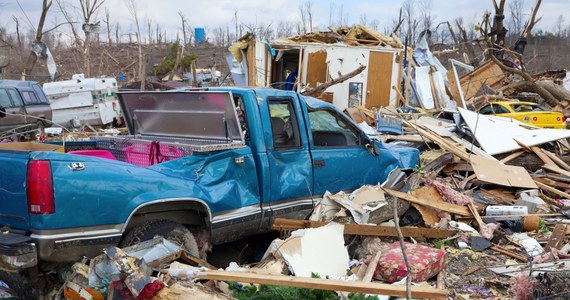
(319, 89)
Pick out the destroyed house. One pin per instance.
(305, 62)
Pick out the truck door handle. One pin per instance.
(319, 163)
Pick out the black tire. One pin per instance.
(19, 285)
(170, 230)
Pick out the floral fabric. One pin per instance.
(425, 263)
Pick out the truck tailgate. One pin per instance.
(13, 200)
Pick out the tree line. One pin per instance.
(86, 38)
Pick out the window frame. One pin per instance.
(293, 118)
(354, 129)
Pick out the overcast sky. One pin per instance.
(220, 13)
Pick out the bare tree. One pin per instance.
(559, 27)
(426, 14)
(117, 31)
(88, 10)
(306, 14)
(33, 57)
(18, 37)
(133, 10)
(284, 29)
(109, 26)
(149, 30)
(411, 26)
(184, 22)
(364, 19)
(516, 22)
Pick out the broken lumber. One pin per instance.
(552, 190)
(557, 160)
(372, 267)
(556, 239)
(509, 253)
(556, 169)
(323, 284)
(448, 207)
(366, 230)
(439, 140)
(324, 86)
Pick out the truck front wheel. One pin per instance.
(170, 230)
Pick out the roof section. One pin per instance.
(357, 35)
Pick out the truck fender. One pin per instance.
(192, 212)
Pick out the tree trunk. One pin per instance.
(556, 90)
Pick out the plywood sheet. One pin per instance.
(497, 135)
(493, 171)
(489, 74)
(379, 82)
(317, 68)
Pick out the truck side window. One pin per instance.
(284, 125)
(241, 114)
(329, 130)
(30, 98)
(4, 99)
(16, 98)
(40, 93)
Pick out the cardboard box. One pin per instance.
(32, 146)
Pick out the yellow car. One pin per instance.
(525, 112)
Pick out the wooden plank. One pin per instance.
(379, 82)
(553, 183)
(489, 73)
(366, 230)
(371, 267)
(448, 207)
(556, 169)
(509, 253)
(512, 156)
(440, 141)
(543, 156)
(552, 190)
(196, 261)
(556, 239)
(476, 215)
(406, 137)
(557, 160)
(323, 284)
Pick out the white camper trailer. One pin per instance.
(83, 100)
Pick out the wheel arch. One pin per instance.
(191, 212)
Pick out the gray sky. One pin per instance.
(220, 13)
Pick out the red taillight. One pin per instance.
(563, 119)
(39, 187)
(535, 119)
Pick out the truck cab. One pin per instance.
(24, 108)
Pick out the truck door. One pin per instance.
(12, 109)
(290, 167)
(340, 158)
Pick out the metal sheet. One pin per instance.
(183, 114)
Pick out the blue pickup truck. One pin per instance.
(220, 163)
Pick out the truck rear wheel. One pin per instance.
(170, 230)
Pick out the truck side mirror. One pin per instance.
(371, 145)
(2, 112)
